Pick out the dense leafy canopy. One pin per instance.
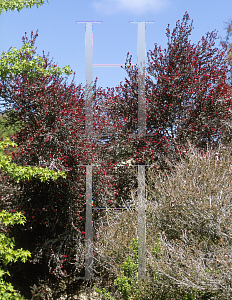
(19, 4)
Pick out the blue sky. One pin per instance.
(60, 35)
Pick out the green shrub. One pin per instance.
(8, 254)
(128, 278)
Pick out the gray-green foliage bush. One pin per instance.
(190, 211)
(188, 231)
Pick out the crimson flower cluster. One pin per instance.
(190, 97)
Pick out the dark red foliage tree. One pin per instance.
(53, 136)
(189, 97)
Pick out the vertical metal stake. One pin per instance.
(88, 133)
(141, 132)
(141, 222)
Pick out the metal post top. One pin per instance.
(141, 21)
(88, 21)
(101, 21)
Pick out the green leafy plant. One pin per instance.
(18, 4)
(126, 283)
(104, 293)
(7, 252)
(127, 280)
(23, 172)
(16, 61)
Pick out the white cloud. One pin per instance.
(129, 6)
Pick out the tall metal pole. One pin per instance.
(89, 132)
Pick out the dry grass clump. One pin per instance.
(190, 211)
(188, 227)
